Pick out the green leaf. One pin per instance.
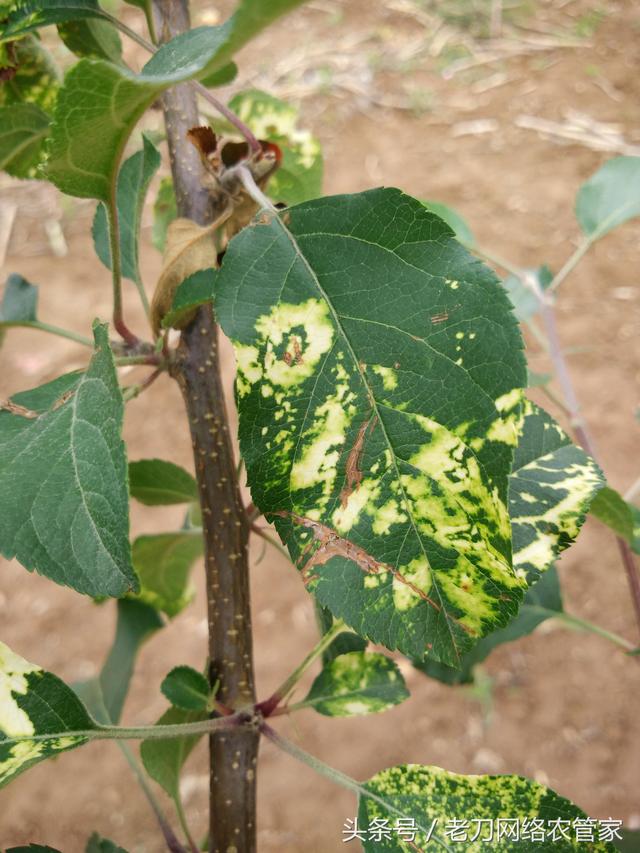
(542, 601)
(622, 517)
(537, 380)
(357, 683)
(64, 508)
(457, 223)
(379, 369)
(19, 301)
(164, 212)
(32, 848)
(547, 511)
(23, 128)
(186, 688)
(37, 77)
(94, 38)
(299, 176)
(249, 19)
(610, 197)
(523, 293)
(163, 563)
(425, 795)
(155, 482)
(137, 622)
(195, 290)
(97, 844)
(551, 488)
(35, 702)
(163, 759)
(221, 77)
(34, 14)
(100, 103)
(630, 841)
(133, 182)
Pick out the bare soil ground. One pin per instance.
(564, 705)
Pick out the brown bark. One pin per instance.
(233, 753)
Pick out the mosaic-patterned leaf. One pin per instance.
(550, 489)
(470, 813)
(93, 38)
(64, 503)
(356, 683)
(379, 376)
(35, 703)
(37, 77)
(542, 601)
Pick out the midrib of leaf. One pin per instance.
(336, 318)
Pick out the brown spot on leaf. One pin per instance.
(440, 318)
(352, 468)
(331, 544)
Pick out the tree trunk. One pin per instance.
(233, 753)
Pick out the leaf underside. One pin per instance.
(379, 376)
(64, 504)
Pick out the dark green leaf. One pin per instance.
(299, 176)
(432, 797)
(155, 482)
(542, 601)
(192, 292)
(379, 369)
(343, 644)
(133, 182)
(522, 293)
(610, 197)
(23, 128)
(35, 702)
(221, 77)
(33, 14)
(136, 623)
(164, 212)
(630, 841)
(186, 688)
(97, 844)
(37, 77)
(163, 563)
(357, 683)
(163, 759)
(457, 223)
(622, 517)
(32, 848)
(94, 38)
(64, 508)
(19, 302)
